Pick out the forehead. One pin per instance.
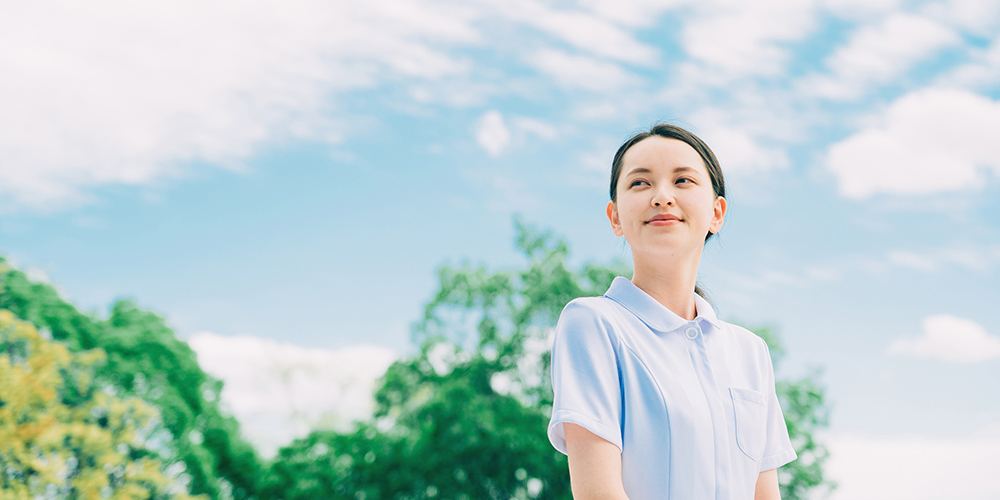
(656, 153)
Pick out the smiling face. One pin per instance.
(666, 205)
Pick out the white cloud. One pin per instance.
(597, 111)
(977, 258)
(971, 257)
(279, 392)
(492, 133)
(982, 71)
(580, 71)
(854, 9)
(974, 15)
(535, 127)
(108, 93)
(592, 168)
(912, 260)
(636, 13)
(877, 54)
(737, 148)
(928, 141)
(950, 338)
(495, 136)
(914, 468)
(583, 30)
(734, 38)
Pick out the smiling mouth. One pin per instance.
(662, 221)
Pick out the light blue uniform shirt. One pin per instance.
(690, 404)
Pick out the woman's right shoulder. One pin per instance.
(587, 314)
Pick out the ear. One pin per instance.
(616, 224)
(718, 215)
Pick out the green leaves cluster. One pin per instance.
(144, 358)
(61, 437)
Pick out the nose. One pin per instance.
(662, 197)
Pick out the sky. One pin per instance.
(291, 175)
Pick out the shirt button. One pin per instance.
(691, 333)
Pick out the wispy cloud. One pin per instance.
(974, 258)
(733, 39)
(980, 72)
(739, 150)
(876, 54)
(580, 71)
(582, 28)
(950, 338)
(978, 258)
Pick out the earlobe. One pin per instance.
(616, 225)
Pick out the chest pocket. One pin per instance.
(751, 419)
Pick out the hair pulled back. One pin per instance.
(669, 131)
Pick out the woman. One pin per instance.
(655, 397)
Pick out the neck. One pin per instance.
(670, 280)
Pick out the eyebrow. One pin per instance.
(644, 170)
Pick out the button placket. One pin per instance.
(716, 408)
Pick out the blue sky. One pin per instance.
(297, 172)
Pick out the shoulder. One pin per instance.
(593, 309)
(587, 316)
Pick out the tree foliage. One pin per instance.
(803, 403)
(466, 417)
(61, 437)
(144, 358)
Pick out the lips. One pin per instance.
(663, 219)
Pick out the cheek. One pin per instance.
(629, 214)
(703, 208)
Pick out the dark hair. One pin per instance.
(668, 131)
(671, 132)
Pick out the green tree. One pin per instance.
(466, 417)
(61, 437)
(144, 358)
(804, 405)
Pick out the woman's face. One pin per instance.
(666, 205)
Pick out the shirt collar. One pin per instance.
(651, 312)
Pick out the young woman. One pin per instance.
(655, 397)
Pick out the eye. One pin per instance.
(638, 182)
(684, 180)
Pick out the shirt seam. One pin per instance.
(587, 417)
(659, 390)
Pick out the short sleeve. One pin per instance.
(778, 449)
(585, 376)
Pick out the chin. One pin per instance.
(666, 245)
